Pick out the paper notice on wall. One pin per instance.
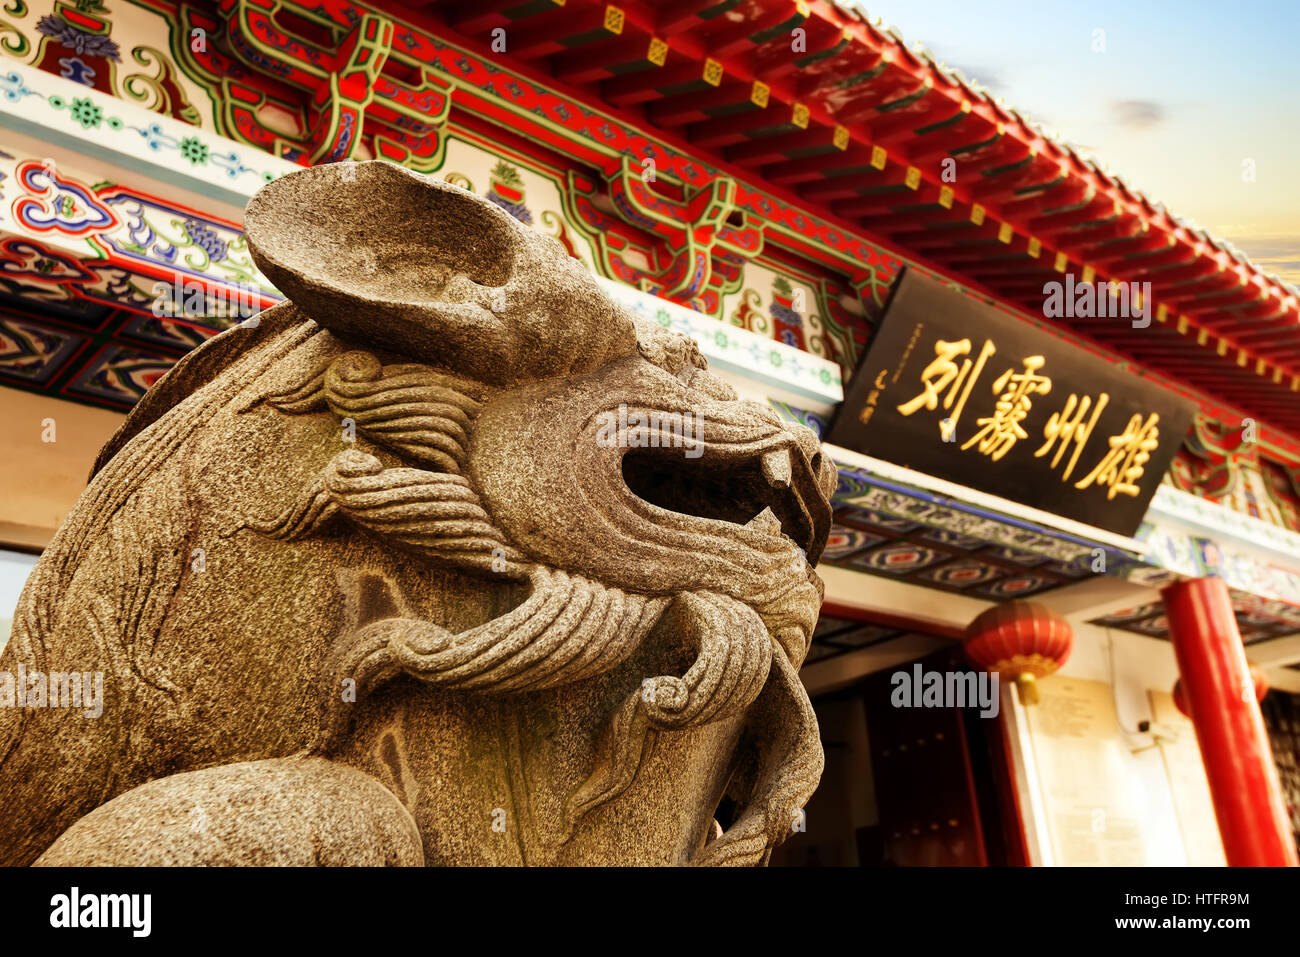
(1091, 810)
(1187, 783)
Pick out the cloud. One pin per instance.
(1275, 255)
(1138, 114)
(988, 77)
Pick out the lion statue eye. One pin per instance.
(680, 357)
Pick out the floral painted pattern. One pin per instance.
(81, 42)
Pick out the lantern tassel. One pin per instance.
(1027, 688)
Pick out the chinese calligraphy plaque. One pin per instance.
(955, 388)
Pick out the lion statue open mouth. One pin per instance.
(448, 559)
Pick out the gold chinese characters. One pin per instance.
(1067, 430)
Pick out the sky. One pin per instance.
(1182, 100)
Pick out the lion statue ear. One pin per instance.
(392, 258)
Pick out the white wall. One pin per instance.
(14, 569)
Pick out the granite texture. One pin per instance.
(448, 560)
(288, 812)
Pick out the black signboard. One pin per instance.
(953, 387)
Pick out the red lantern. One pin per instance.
(1257, 676)
(1020, 640)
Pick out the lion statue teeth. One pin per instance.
(448, 559)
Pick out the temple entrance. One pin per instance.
(908, 786)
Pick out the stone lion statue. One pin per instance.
(420, 567)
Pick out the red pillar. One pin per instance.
(1229, 727)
